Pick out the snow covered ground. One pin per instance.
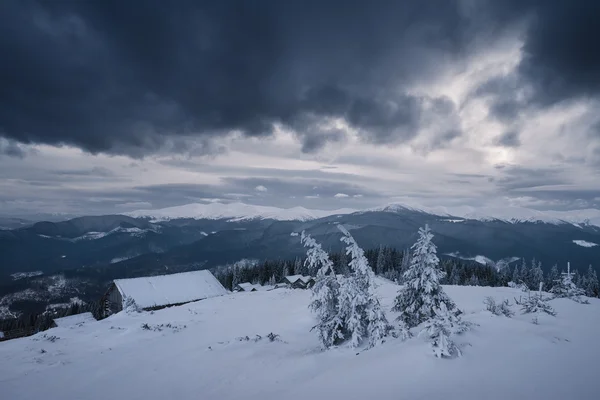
(193, 352)
(235, 212)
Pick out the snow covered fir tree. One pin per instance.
(422, 293)
(325, 293)
(347, 307)
(565, 287)
(423, 300)
(359, 304)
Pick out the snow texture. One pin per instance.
(20, 275)
(235, 212)
(509, 215)
(584, 243)
(507, 358)
(73, 320)
(156, 291)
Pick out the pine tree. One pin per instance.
(380, 265)
(439, 330)
(592, 288)
(358, 302)
(537, 274)
(344, 268)
(454, 276)
(405, 264)
(536, 304)
(566, 288)
(422, 293)
(526, 273)
(474, 281)
(552, 278)
(325, 293)
(517, 277)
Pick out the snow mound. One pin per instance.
(211, 350)
(584, 243)
(73, 320)
(235, 212)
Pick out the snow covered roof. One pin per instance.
(247, 286)
(73, 320)
(163, 290)
(293, 278)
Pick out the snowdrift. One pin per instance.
(210, 350)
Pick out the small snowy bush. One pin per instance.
(439, 330)
(536, 304)
(130, 306)
(498, 308)
(566, 288)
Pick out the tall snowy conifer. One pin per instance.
(325, 293)
(552, 278)
(537, 274)
(592, 287)
(359, 305)
(422, 293)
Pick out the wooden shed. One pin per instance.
(156, 292)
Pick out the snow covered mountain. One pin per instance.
(219, 348)
(235, 212)
(506, 214)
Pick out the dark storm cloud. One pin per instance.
(11, 149)
(509, 139)
(561, 55)
(137, 77)
(132, 77)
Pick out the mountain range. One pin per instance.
(92, 250)
(219, 233)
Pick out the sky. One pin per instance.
(111, 106)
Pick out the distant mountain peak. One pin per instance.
(509, 214)
(235, 212)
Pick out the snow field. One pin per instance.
(199, 356)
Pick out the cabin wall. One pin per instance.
(113, 301)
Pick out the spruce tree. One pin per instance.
(380, 265)
(325, 293)
(592, 288)
(565, 287)
(552, 278)
(422, 293)
(517, 277)
(359, 305)
(474, 281)
(537, 274)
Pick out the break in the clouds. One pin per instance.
(266, 101)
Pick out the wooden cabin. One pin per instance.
(245, 287)
(299, 281)
(156, 292)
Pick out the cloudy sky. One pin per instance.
(110, 106)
